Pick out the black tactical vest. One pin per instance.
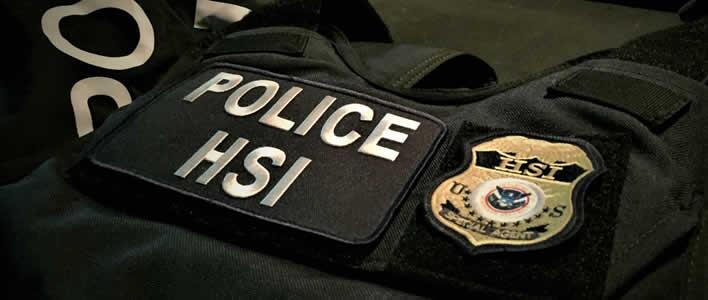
(285, 162)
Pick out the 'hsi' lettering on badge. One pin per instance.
(233, 106)
(518, 193)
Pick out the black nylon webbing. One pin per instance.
(651, 103)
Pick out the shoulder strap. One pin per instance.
(393, 67)
(405, 66)
(417, 72)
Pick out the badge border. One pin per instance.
(579, 191)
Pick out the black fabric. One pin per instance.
(668, 270)
(693, 10)
(38, 115)
(285, 43)
(672, 6)
(652, 103)
(410, 66)
(301, 13)
(62, 242)
(680, 49)
(59, 243)
(398, 65)
(41, 122)
(696, 270)
(356, 18)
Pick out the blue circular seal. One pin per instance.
(507, 199)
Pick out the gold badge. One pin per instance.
(519, 192)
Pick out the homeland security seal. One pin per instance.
(518, 192)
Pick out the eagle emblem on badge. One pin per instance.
(516, 192)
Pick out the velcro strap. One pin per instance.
(278, 42)
(650, 102)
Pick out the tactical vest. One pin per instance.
(401, 165)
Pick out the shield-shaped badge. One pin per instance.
(517, 192)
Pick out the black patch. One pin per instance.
(653, 104)
(491, 158)
(576, 268)
(342, 194)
